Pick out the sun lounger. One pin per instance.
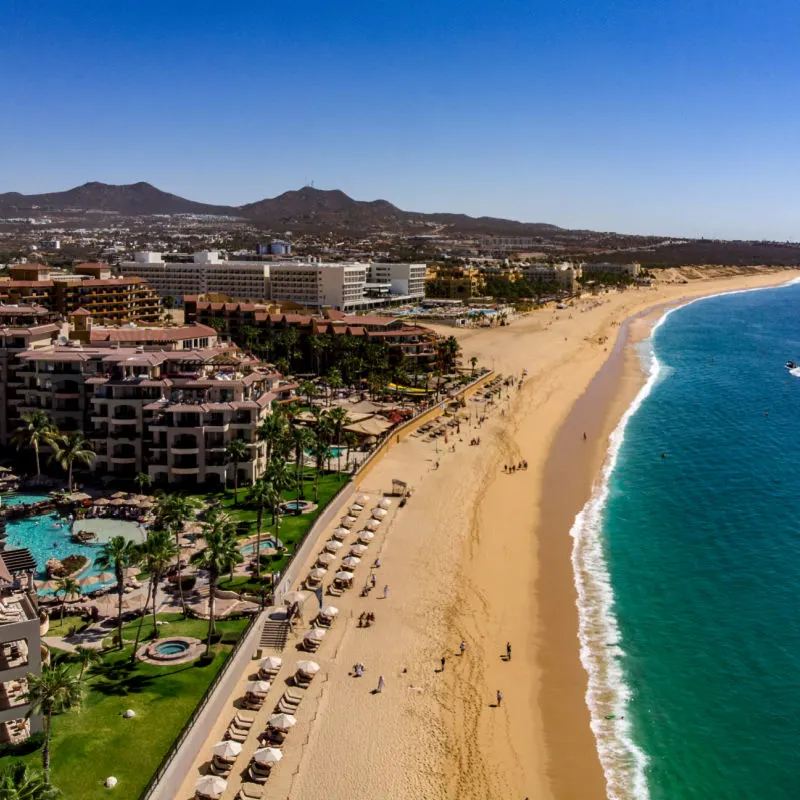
(256, 775)
(250, 791)
(236, 734)
(218, 768)
(243, 719)
(285, 708)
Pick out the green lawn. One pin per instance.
(95, 742)
(57, 629)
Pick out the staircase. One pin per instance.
(274, 634)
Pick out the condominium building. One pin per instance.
(564, 275)
(454, 283)
(90, 286)
(21, 651)
(206, 273)
(607, 268)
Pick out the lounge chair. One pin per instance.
(220, 768)
(250, 791)
(244, 720)
(257, 774)
(236, 734)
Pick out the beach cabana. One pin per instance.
(210, 787)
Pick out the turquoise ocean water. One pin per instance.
(688, 567)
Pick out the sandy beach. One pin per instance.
(481, 556)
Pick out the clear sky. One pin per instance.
(677, 117)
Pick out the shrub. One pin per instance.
(33, 743)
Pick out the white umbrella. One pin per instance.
(362, 499)
(351, 562)
(344, 576)
(294, 597)
(366, 536)
(325, 558)
(307, 667)
(317, 574)
(282, 722)
(267, 755)
(347, 522)
(373, 524)
(227, 749)
(329, 611)
(270, 663)
(333, 545)
(211, 785)
(379, 513)
(314, 635)
(355, 509)
(340, 532)
(257, 687)
(358, 550)
(385, 502)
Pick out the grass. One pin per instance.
(95, 742)
(57, 629)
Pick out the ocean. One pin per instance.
(687, 561)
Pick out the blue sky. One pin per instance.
(676, 117)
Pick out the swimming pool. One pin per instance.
(46, 536)
(250, 549)
(22, 499)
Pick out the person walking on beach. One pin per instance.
(499, 698)
(508, 651)
(462, 647)
(444, 661)
(386, 592)
(381, 684)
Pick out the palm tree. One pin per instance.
(236, 452)
(142, 480)
(86, 656)
(473, 363)
(302, 440)
(308, 390)
(19, 782)
(36, 429)
(118, 554)
(262, 495)
(334, 381)
(156, 555)
(317, 344)
(279, 474)
(173, 511)
(351, 440)
(69, 587)
(338, 420)
(71, 448)
(271, 431)
(52, 692)
(319, 449)
(220, 554)
(290, 336)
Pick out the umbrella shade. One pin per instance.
(5, 469)
(257, 687)
(355, 509)
(103, 577)
(366, 536)
(102, 501)
(282, 722)
(362, 499)
(379, 513)
(294, 597)
(307, 667)
(314, 635)
(385, 502)
(87, 581)
(348, 522)
(329, 611)
(267, 755)
(344, 576)
(340, 532)
(351, 562)
(373, 525)
(326, 558)
(211, 785)
(270, 663)
(358, 550)
(119, 501)
(333, 545)
(226, 749)
(317, 574)
(117, 495)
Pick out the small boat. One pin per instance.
(791, 365)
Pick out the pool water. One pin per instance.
(22, 499)
(250, 549)
(46, 536)
(171, 648)
(294, 505)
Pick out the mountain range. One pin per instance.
(303, 210)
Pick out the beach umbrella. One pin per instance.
(267, 755)
(294, 597)
(366, 536)
(358, 550)
(104, 577)
(333, 545)
(117, 495)
(379, 513)
(325, 559)
(270, 663)
(257, 687)
(385, 502)
(282, 722)
(226, 750)
(340, 532)
(373, 525)
(344, 576)
(119, 501)
(351, 562)
(307, 667)
(314, 635)
(355, 509)
(362, 499)
(329, 611)
(211, 785)
(348, 522)
(318, 573)
(102, 501)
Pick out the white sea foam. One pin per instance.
(624, 762)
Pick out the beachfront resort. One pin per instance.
(161, 489)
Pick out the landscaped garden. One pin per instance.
(95, 741)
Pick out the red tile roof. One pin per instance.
(152, 334)
(81, 312)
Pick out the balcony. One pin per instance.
(123, 459)
(124, 413)
(185, 470)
